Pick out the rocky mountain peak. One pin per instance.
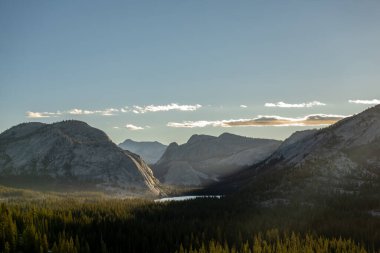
(203, 158)
(343, 157)
(79, 131)
(172, 145)
(73, 152)
(228, 136)
(127, 141)
(199, 138)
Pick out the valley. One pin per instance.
(89, 222)
(316, 191)
(190, 126)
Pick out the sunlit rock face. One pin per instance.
(205, 159)
(343, 158)
(72, 152)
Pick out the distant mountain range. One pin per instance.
(71, 154)
(150, 151)
(204, 159)
(343, 158)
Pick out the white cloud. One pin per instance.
(35, 115)
(75, 111)
(243, 106)
(109, 112)
(105, 112)
(193, 124)
(113, 111)
(302, 105)
(133, 127)
(164, 108)
(309, 120)
(124, 110)
(365, 102)
(79, 112)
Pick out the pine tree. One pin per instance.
(44, 244)
(7, 248)
(77, 244)
(86, 248)
(103, 246)
(54, 249)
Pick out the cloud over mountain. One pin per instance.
(37, 115)
(302, 105)
(133, 127)
(75, 111)
(164, 108)
(113, 111)
(365, 102)
(105, 112)
(309, 120)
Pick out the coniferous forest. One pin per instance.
(99, 224)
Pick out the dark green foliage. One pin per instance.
(342, 223)
(273, 242)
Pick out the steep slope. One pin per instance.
(150, 151)
(343, 158)
(204, 159)
(72, 153)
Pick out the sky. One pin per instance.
(164, 70)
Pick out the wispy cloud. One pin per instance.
(80, 112)
(114, 111)
(133, 127)
(75, 111)
(302, 105)
(243, 106)
(105, 112)
(365, 102)
(32, 115)
(124, 109)
(309, 120)
(164, 108)
(193, 124)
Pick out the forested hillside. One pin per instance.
(72, 224)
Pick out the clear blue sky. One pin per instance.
(93, 55)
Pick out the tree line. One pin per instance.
(60, 225)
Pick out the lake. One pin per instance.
(182, 198)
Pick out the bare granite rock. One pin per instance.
(73, 152)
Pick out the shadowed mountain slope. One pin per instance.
(204, 159)
(341, 158)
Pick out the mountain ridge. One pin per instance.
(73, 151)
(150, 151)
(343, 157)
(204, 159)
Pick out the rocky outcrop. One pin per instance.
(73, 153)
(205, 159)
